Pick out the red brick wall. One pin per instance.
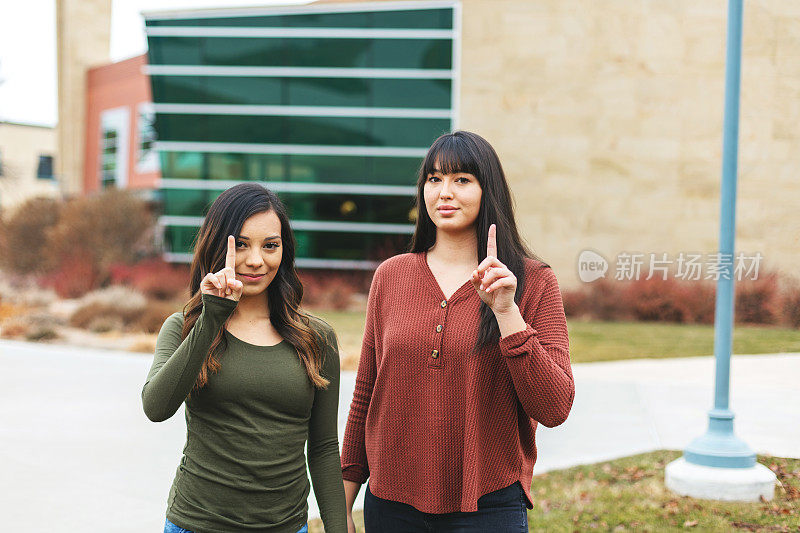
(121, 84)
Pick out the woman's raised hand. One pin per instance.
(495, 283)
(224, 282)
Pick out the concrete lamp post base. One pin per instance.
(726, 484)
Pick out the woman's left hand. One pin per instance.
(495, 283)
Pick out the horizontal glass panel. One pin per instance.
(296, 168)
(355, 92)
(339, 131)
(301, 52)
(313, 244)
(415, 18)
(305, 206)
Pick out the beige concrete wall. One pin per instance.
(20, 148)
(84, 33)
(608, 119)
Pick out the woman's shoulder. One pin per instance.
(397, 263)
(538, 274)
(173, 322)
(322, 329)
(319, 325)
(532, 264)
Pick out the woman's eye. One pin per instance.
(463, 180)
(433, 179)
(239, 244)
(271, 245)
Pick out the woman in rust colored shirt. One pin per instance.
(465, 351)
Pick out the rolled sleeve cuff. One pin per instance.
(354, 473)
(518, 343)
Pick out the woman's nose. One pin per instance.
(445, 191)
(254, 258)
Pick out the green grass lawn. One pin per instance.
(629, 494)
(610, 341)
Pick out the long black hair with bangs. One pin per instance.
(464, 151)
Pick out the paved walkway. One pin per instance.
(78, 453)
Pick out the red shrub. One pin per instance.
(655, 299)
(791, 305)
(74, 276)
(604, 301)
(333, 289)
(153, 277)
(576, 303)
(699, 298)
(757, 300)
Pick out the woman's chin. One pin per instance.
(453, 226)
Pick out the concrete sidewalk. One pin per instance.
(79, 453)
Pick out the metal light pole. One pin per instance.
(719, 446)
(735, 474)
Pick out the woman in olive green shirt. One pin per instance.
(258, 375)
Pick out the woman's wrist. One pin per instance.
(510, 321)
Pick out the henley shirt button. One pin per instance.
(439, 328)
(435, 354)
(444, 303)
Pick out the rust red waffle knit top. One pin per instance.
(435, 424)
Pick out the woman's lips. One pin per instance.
(245, 277)
(447, 210)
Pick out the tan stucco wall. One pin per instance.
(20, 148)
(608, 119)
(84, 33)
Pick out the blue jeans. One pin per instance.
(501, 511)
(169, 527)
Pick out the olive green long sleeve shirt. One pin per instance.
(244, 466)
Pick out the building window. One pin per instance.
(114, 147)
(44, 171)
(331, 106)
(147, 157)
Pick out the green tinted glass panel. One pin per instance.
(180, 239)
(187, 202)
(184, 165)
(432, 94)
(414, 19)
(313, 244)
(355, 92)
(403, 169)
(339, 131)
(216, 90)
(302, 52)
(174, 51)
(300, 168)
(305, 206)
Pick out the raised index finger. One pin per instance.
(230, 257)
(491, 244)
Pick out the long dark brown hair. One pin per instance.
(284, 294)
(464, 151)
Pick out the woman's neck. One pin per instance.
(458, 248)
(254, 307)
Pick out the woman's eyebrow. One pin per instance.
(265, 238)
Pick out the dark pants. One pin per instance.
(501, 511)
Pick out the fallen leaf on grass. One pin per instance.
(690, 523)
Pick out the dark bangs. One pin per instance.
(450, 154)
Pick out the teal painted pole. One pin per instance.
(719, 447)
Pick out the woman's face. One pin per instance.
(453, 201)
(259, 250)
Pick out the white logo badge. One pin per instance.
(591, 266)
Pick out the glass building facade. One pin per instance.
(330, 106)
